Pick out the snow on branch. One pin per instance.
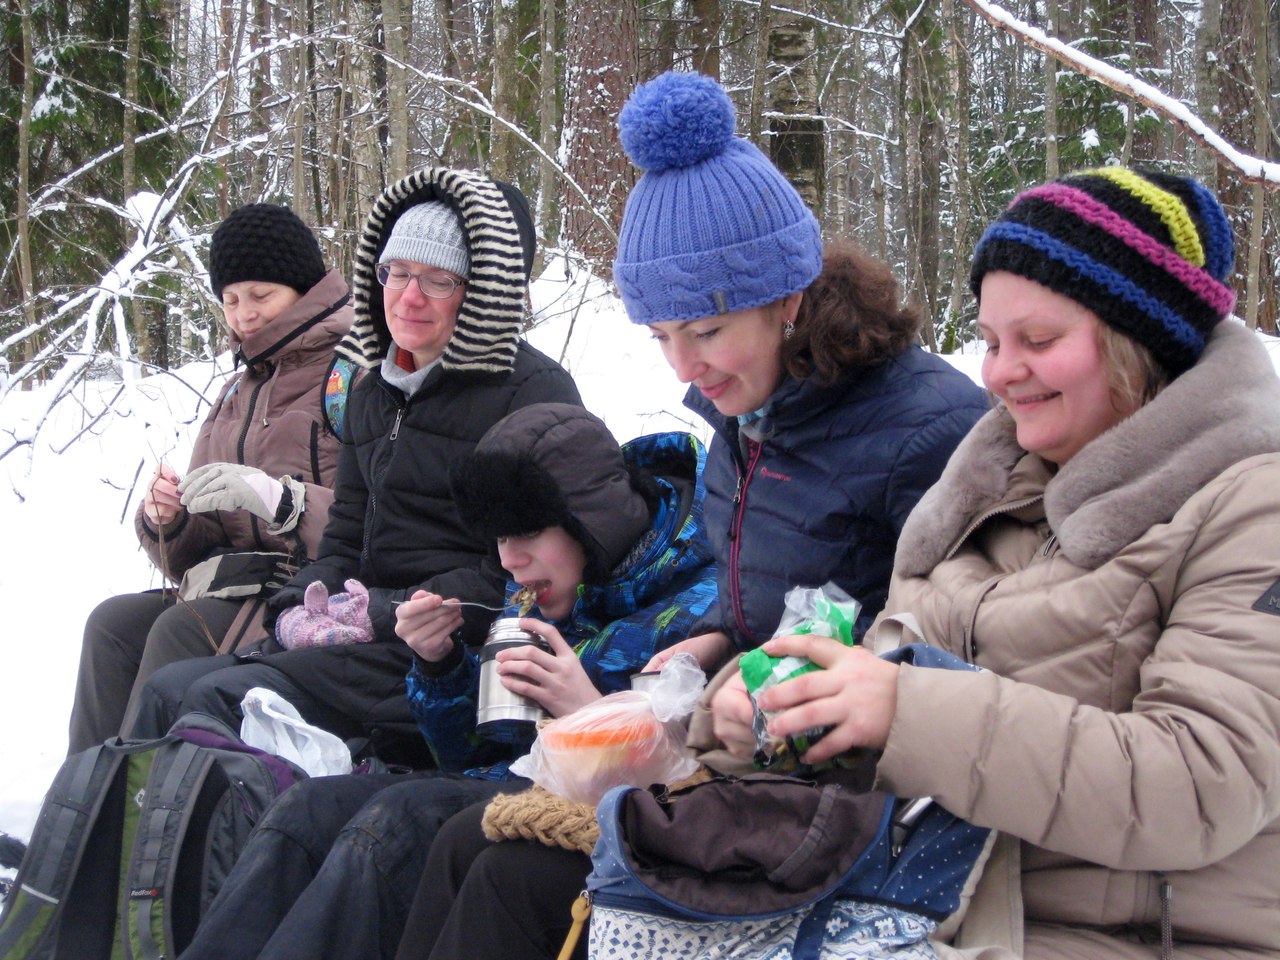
(1251, 169)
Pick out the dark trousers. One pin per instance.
(331, 869)
(126, 639)
(353, 691)
(481, 900)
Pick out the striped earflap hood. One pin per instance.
(500, 240)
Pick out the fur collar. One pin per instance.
(1139, 473)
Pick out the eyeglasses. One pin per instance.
(438, 286)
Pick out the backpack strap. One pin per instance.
(31, 924)
(178, 770)
(337, 387)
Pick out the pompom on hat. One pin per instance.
(264, 242)
(712, 226)
(1148, 252)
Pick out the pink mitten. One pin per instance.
(324, 621)
(352, 608)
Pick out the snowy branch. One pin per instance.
(1250, 168)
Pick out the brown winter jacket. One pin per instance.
(270, 416)
(1128, 610)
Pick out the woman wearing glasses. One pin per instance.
(440, 285)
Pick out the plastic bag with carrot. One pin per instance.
(627, 737)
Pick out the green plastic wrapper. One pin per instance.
(827, 611)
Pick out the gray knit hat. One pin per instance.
(430, 233)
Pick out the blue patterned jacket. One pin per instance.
(653, 601)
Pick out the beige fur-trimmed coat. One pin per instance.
(1128, 609)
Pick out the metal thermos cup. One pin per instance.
(503, 715)
(644, 682)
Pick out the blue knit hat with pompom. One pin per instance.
(712, 226)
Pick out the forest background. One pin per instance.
(129, 128)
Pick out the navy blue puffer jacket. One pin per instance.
(823, 496)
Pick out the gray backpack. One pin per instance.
(133, 842)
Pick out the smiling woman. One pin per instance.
(830, 422)
(258, 487)
(1044, 361)
(1106, 545)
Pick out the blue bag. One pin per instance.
(776, 867)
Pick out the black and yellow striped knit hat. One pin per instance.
(1148, 252)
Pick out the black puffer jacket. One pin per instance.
(393, 524)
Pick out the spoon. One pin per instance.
(458, 603)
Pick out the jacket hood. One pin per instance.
(553, 464)
(500, 240)
(303, 325)
(1224, 409)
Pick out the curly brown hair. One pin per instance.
(852, 315)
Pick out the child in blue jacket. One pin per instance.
(610, 543)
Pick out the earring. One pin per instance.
(788, 328)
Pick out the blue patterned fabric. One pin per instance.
(667, 882)
(615, 627)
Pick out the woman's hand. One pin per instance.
(426, 623)
(712, 651)
(731, 713)
(556, 680)
(856, 693)
(162, 502)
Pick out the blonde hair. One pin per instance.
(1133, 373)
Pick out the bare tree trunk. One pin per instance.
(396, 36)
(502, 141)
(1051, 131)
(602, 52)
(225, 54)
(26, 275)
(958, 150)
(259, 14)
(704, 36)
(797, 139)
(921, 164)
(1236, 80)
(301, 81)
(754, 124)
(1261, 141)
(129, 156)
(548, 131)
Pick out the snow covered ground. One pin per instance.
(67, 504)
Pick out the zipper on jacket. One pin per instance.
(254, 524)
(1166, 918)
(315, 453)
(735, 538)
(248, 419)
(374, 482)
(1050, 545)
(986, 515)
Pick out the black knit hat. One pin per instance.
(553, 465)
(1148, 252)
(264, 242)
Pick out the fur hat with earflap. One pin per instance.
(554, 465)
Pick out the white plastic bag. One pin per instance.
(273, 724)
(628, 737)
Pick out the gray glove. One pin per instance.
(233, 486)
